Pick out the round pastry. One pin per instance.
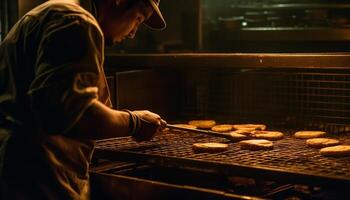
(321, 142)
(237, 136)
(268, 135)
(222, 128)
(249, 126)
(210, 147)
(246, 132)
(203, 124)
(336, 151)
(258, 144)
(309, 134)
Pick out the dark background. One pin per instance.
(254, 26)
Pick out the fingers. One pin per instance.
(150, 117)
(151, 123)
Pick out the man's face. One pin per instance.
(118, 22)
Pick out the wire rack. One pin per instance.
(290, 160)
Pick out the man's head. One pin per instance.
(120, 19)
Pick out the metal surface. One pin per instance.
(303, 5)
(290, 160)
(116, 61)
(109, 186)
(206, 132)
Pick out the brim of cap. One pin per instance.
(156, 21)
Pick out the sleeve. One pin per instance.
(67, 74)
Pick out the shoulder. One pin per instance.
(61, 11)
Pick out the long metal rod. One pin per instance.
(207, 132)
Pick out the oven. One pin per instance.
(287, 92)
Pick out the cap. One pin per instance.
(156, 21)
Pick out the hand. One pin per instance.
(150, 123)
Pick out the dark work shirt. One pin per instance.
(51, 71)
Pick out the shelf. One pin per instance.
(231, 60)
(284, 34)
(293, 6)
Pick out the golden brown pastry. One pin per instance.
(258, 144)
(309, 134)
(249, 126)
(321, 142)
(203, 124)
(209, 147)
(268, 135)
(222, 128)
(336, 151)
(235, 136)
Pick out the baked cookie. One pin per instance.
(235, 136)
(321, 142)
(268, 135)
(222, 128)
(309, 134)
(203, 124)
(336, 151)
(249, 126)
(258, 144)
(210, 147)
(246, 132)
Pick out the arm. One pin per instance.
(64, 94)
(100, 121)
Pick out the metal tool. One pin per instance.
(207, 132)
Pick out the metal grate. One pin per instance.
(290, 160)
(289, 98)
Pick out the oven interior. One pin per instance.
(286, 99)
(167, 167)
(185, 183)
(283, 97)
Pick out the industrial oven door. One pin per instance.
(128, 181)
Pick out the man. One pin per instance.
(54, 99)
